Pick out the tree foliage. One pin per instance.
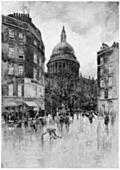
(66, 88)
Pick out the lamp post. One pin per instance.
(51, 102)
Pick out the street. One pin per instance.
(85, 145)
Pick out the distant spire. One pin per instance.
(63, 35)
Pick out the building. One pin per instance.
(108, 79)
(23, 61)
(63, 58)
(63, 84)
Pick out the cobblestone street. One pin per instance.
(85, 145)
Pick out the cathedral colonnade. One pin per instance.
(63, 66)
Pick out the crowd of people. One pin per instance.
(63, 116)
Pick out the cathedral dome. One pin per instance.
(63, 58)
(63, 46)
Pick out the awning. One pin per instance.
(31, 104)
(10, 104)
(38, 103)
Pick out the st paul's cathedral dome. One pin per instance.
(63, 58)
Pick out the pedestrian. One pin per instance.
(53, 116)
(26, 122)
(77, 114)
(61, 120)
(57, 112)
(106, 122)
(112, 120)
(33, 125)
(19, 124)
(72, 115)
(83, 114)
(91, 117)
(106, 119)
(5, 117)
(67, 122)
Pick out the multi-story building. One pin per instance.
(23, 62)
(108, 79)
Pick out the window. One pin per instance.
(110, 93)
(21, 36)
(43, 66)
(4, 90)
(35, 43)
(102, 83)
(20, 90)
(110, 68)
(40, 62)
(39, 74)
(101, 72)
(43, 80)
(10, 90)
(11, 33)
(106, 93)
(35, 74)
(11, 52)
(101, 60)
(20, 69)
(10, 69)
(21, 51)
(20, 56)
(35, 89)
(35, 58)
(110, 59)
(110, 81)
(102, 94)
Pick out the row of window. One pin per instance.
(35, 76)
(110, 70)
(12, 34)
(15, 69)
(102, 82)
(11, 87)
(18, 69)
(35, 57)
(12, 52)
(20, 36)
(21, 55)
(31, 90)
(106, 94)
(104, 60)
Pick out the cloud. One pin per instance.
(87, 24)
(82, 16)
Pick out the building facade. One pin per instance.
(63, 59)
(108, 79)
(23, 61)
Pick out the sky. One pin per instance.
(87, 24)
